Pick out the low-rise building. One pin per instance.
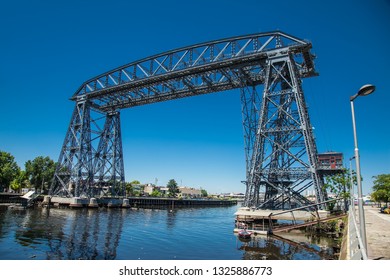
(186, 192)
(148, 189)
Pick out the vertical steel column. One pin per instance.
(276, 139)
(307, 131)
(250, 102)
(91, 158)
(108, 165)
(74, 173)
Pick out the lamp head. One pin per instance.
(366, 90)
(363, 91)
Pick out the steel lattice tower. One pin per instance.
(91, 158)
(281, 155)
(278, 136)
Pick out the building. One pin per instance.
(163, 190)
(331, 161)
(148, 189)
(186, 192)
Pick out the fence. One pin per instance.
(357, 251)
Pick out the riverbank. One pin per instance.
(157, 203)
(111, 202)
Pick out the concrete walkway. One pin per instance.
(378, 233)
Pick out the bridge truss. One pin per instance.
(279, 144)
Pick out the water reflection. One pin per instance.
(171, 218)
(4, 221)
(35, 227)
(66, 234)
(280, 248)
(80, 234)
(93, 234)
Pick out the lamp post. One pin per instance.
(363, 91)
(352, 188)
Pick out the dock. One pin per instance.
(264, 222)
(135, 202)
(245, 214)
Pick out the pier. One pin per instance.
(266, 221)
(135, 202)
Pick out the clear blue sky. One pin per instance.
(49, 48)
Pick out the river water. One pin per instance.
(143, 234)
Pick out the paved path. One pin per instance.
(378, 233)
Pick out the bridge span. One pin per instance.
(280, 150)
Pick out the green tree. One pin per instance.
(204, 193)
(381, 196)
(9, 170)
(155, 193)
(129, 189)
(381, 182)
(21, 181)
(340, 184)
(173, 190)
(381, 188)
(40, 172)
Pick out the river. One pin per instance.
(143, 234)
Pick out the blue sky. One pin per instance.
(49, 48)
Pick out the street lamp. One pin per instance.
(363, 91)
(352, 188)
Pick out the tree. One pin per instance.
(381, 188)
(173, 190)
(129, 189)
(381, 196)
(40, 172)
(204, 193)
(21, 181)
(340, 184)
(155, 193)
(381, 182)
(9, 169)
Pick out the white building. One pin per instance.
(186, 192)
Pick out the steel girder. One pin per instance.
(91, 160)
(278, 137)
(194, 70)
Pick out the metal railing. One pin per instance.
(357, 251)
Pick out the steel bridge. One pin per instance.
(268, 68)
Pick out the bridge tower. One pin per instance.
(281, 153)
(91, 158)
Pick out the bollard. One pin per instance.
(93, 203)
(125, 203)
(46, 201)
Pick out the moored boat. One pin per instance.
(244, 234)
